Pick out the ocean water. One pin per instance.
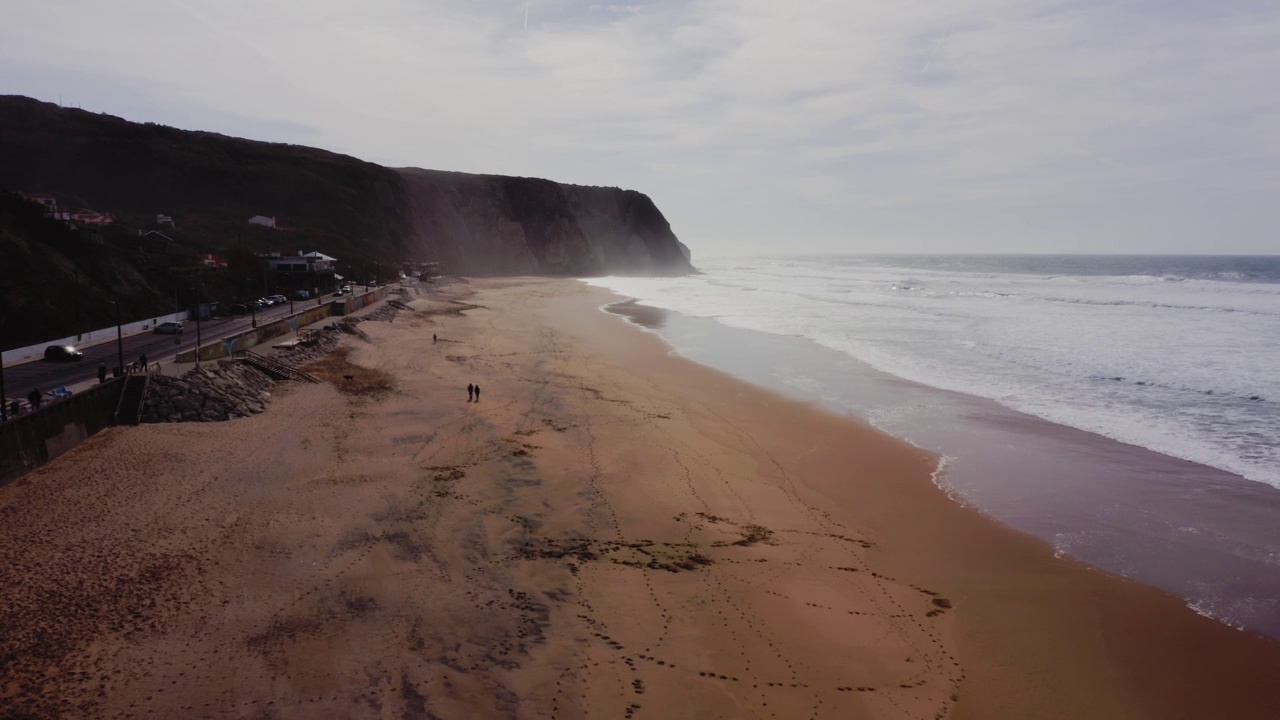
(1122, 409)
(1176, 354)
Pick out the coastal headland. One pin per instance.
(610, 531)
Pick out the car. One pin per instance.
(264, 302)
(237, 309)
(301, 295)
(62, 353)
(169, 328)
(277, 299)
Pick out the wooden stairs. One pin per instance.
(277, 370)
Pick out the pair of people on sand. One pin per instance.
(473, 392)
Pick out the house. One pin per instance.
(319, 260)
(301, 263)
(86, 216)
(211, 260)
(305, 271)
(263, 220)
(164, 220)
(154, 241)
(49, 202)
(155, 235)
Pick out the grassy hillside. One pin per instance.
(211, 184)
(53, 285)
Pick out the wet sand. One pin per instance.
(1203, 534)
(608, 532)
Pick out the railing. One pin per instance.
(273, 368)
(132, 399)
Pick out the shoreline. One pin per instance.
(1116, 596)
(611, 530)
(1200, 533)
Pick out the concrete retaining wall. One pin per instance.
(34, 439)
(263, 333)
(356, 302)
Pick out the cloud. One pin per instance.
(869, 109)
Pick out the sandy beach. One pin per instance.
(610, 531)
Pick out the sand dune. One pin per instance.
(608, 532)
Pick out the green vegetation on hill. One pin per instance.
(53, 284)
(209, 183)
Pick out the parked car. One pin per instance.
(277, 299)
(169, 328)
(237, 309)
(301, 295)
(263, 302)
(62, 353)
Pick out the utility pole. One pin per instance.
(75, 292)
(4, 398)
(199, 342)
(119, 337)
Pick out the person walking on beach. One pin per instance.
(102, 373)
(477, 393)
(142, 360)
(433, 337)
(470, 391)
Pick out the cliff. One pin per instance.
(366, 215)
(489, 224)
(56, 282)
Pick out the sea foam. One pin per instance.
(1180, 361)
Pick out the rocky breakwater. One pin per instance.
(227, 389)
(222, 391)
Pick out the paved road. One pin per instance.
(20, 379)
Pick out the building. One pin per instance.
(311, 271)
(211, 260)
(86, 216)
(263, 220)
(153, 243)
(50, 204)
(164, 220)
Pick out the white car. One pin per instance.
(169, 328)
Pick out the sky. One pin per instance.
(805, 126)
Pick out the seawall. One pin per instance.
(31, 440)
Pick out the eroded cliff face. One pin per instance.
(495, 225)
(366, 215)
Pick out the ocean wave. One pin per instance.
(1194, 358)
